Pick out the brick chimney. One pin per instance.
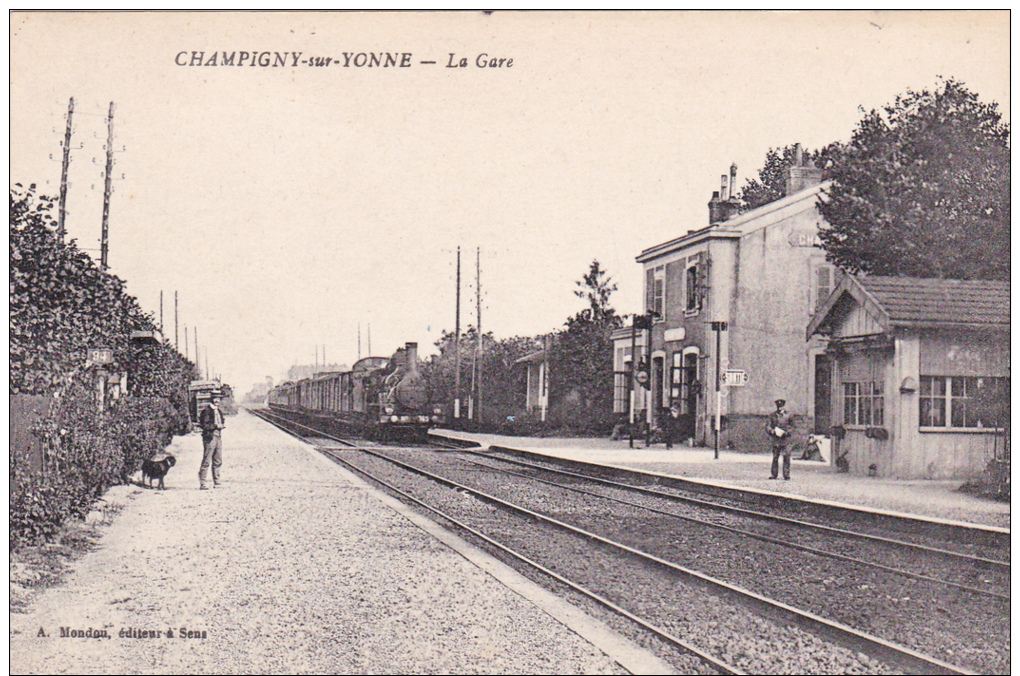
(802, 174)
(724, 204)
(715, 208)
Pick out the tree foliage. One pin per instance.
(582, 361)
(771, 182)
(61, 305)
(922, 189)
(500, 387)
(580, 358)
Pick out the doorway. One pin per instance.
(823, 394)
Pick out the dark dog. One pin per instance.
(156, 467)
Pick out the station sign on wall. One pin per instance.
(734, 378)
(805, 238)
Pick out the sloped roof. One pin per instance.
(537, 356)
(909, 300)
(922, 303)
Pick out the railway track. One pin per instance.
(993, 575)
(968, 539)
(613, 551)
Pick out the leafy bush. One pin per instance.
(61, 305)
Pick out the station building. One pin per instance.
(763, 274)
(920, 385)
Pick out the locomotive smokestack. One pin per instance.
(412, 355)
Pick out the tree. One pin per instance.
(922, 189)
(581, 363)
(771, 182)
(497, 373)
(595, 287)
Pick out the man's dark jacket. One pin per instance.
(207, 421)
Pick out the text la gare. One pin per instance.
(481, 61)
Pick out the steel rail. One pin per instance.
(758, 536)
(900, 656)
(655, 629)
(662, 633)
(319, 433)
(1002, 566)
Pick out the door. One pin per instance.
(823, 394)
(685, 391)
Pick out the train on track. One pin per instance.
(379, 398)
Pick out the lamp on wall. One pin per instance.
(908, 386)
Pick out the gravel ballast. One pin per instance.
(287, 569)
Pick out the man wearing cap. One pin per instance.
(211, 422)
(779, 426)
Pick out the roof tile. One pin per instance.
(910, 300)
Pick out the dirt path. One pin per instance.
(288, 568)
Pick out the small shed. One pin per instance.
(536, 398)
(920, 384)
(199, 394)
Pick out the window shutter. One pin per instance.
(704, 265)
(649, 288)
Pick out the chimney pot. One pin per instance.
(801, 176)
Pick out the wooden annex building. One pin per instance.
(920, 379)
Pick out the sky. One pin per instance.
(286, 205)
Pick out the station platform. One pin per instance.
(295, 566)
(810, 479)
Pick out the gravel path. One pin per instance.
(288, 569)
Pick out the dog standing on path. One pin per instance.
(156, 467)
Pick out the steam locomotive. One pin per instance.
(379, 398)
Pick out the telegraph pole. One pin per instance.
(478, 304)
(161, 312)
(456, 349)
(107, 189)
(63, 173)
(176, 346)
(359, 341)
(186, 355)
(197, 363)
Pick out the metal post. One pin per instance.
(651, 398)
(718, 327)
(630, 379)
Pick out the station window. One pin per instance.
(863, 403)
(695, 284)
(963, 402)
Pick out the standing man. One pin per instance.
(779, 426)
(211, 422)
(672, 425)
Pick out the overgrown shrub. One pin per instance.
(62, 305)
